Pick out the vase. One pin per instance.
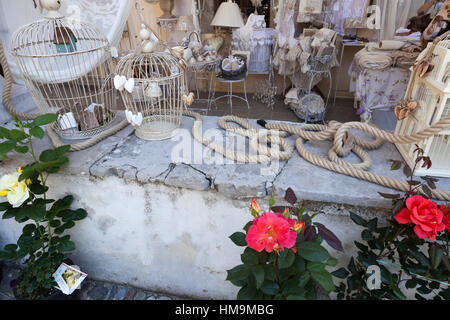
(167, 7)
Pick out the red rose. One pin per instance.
(425, 214)
(271, 231)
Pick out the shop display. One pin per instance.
(67, 71)
(152, 86)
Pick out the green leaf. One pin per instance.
(312, 251)
(68, 246)
(246, 293)
(341, 273)
(45, 119)
(258, 272)
(21, 149)
(269, 272)
(239, 272)
(60, 151)
(7, 146)
(48, 156)
(398, 293)
(321, 275)
(37, 132)
(304, 279)
(28, 229)
(247, 226)
(270, 288)
(238, 239)
(332, 262)
(249, 257)
(17, 135)
(358, 220)
(286, 259)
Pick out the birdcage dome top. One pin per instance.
(42, 38)
(149, 66)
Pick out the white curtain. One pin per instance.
(395, 14)
(109, 15)
(344, 9)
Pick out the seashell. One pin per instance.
(153, 90)
(178, 52)
(192, 60)
(200, 59)
(208, 58)
(188, 100)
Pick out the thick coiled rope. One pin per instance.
(343, 140)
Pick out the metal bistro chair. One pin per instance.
(230, 83)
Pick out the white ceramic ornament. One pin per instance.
(52, 6)
(121, 82)
(135, 120)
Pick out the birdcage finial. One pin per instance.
(52, 6)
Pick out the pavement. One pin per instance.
(90, 290)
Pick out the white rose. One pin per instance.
(16, 192)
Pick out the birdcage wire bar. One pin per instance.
(158, 88)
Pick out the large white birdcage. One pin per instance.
(433, 106)
(67, 67)
(440, 75)
(154, 86)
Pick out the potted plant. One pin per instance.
(43, 246)
(411, 251)
(283, 256)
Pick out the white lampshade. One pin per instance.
(228, 15)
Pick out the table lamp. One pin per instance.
(228, 15)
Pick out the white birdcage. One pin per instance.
(432, 93)
(67, 67)
(152, 86)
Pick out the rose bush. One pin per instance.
(283, 258)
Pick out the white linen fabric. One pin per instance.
(376, 89)
(108, 15)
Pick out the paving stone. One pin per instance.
(140, 296)
(119, 293)
(98, 293)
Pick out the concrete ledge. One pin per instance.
(183, 162)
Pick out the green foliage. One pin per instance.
(290, 274)
(42, 246)
(414, 263)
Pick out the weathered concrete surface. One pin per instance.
(183, 162)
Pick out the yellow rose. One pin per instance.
(16, 192)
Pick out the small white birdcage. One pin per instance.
(152, 86)
(433, 105)
(67, 67)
